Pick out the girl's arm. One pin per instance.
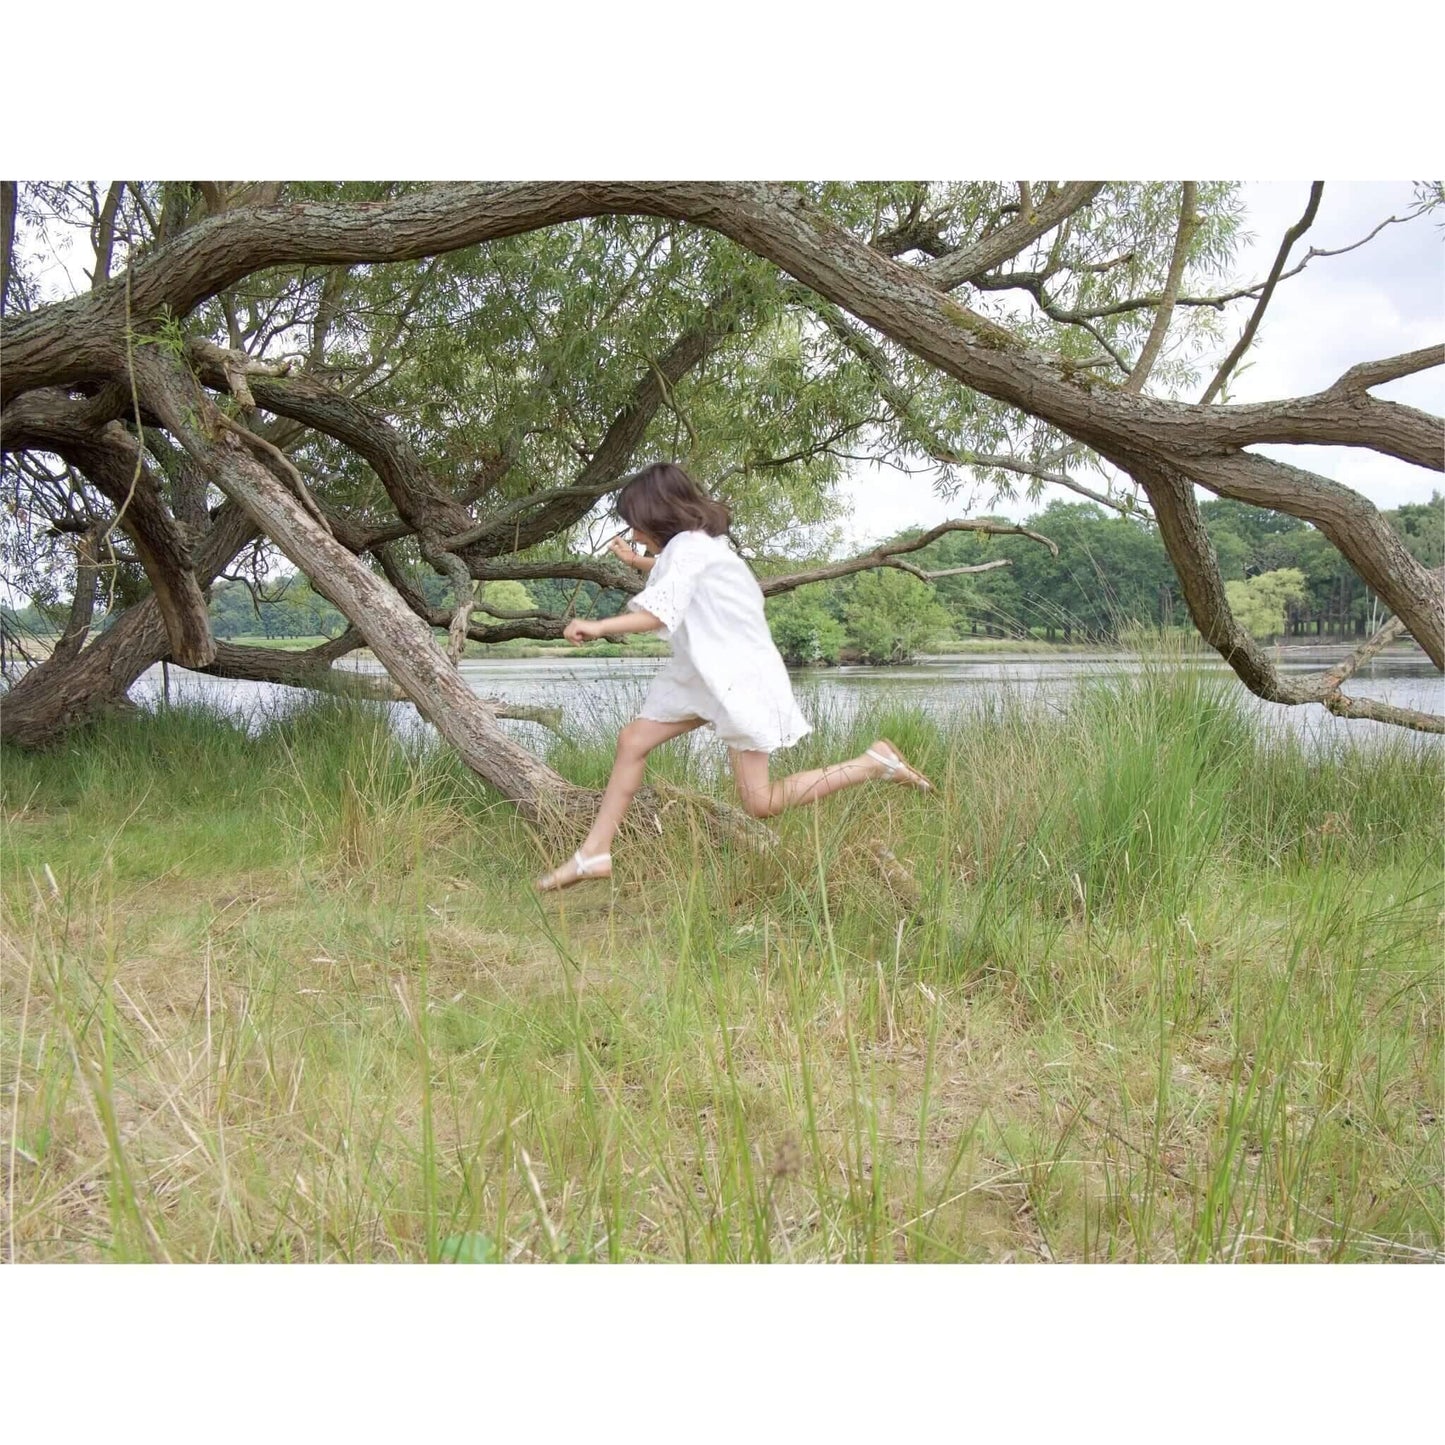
(624, 553)
(580, 630)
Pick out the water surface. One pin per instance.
(602, 693)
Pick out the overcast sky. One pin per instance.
(1385, 298)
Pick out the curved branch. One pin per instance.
(1192, 553)
(84, 337)
(1154, 343)
(1363, 537)
(1391, 368)
(887, 555)
(111, 458)
(1317, 189)
(952, 270)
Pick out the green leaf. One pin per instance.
(467, 1249)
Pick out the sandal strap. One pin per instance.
(895, 766)
(585, 865)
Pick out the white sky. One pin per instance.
(1385, 298)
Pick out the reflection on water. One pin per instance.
(604, 693)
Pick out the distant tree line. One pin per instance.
(1284, 578)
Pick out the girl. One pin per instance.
(703, 598)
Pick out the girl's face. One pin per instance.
(645, 539)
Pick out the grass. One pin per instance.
(1156, 990)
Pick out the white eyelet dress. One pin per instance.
(724, 667)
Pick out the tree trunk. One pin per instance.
(62, 693)
(66, 691)
(400, 640)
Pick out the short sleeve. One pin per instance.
(674, 581)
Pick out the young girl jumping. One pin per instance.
(725, 671)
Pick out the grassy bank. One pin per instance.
(1162, 992)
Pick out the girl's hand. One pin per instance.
(625, 553)
(577, 631)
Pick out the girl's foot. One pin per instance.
(577, 869)
(895, 766)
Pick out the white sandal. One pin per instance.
(586, 870)
(895, 766)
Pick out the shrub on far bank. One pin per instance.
(891, 617)
(804, 629)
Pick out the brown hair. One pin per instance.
(662, 500)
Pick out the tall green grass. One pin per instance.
(1157, 988)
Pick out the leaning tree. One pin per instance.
(377, 380)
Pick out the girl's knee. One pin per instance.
(758, 803)
(632, 741)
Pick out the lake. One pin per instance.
(602, 693)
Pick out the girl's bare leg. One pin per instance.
(764, 799)
(634, 743)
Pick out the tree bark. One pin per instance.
(82, 604)
(65, 692)
(9, 197)
(112, 459)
